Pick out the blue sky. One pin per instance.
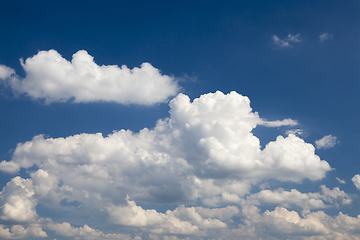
(175, 120)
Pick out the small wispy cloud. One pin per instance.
(328, 141)
(298, 132)
(325, 36)
(340, 180)
(279, 123)
(284, 43)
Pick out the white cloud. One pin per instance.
(6, 72)
(285, 43)
(204, 152)
(86, 232)
(289, 222)
(279, 123)
(52, 78)
(46, 187)
(224, 214)
(356, 181)
(209, 138)
(325, 36)
(298, 132)
(202, 141)
(17, 202)
(182, 220)
(340, 180)
(284, 224)
(19, 232)
(296, 159)
(326, 142)
(10, 167)
(324, 199)
(214, 192)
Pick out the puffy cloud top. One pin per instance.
(51, 77)
(204, 153)
(205, 149)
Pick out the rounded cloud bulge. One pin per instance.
(52, 78)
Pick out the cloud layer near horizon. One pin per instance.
(52, 78)
(204, 155)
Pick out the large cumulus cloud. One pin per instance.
(52, 78)
(204, 153)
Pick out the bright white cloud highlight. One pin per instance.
(326, 142)
(52, 78)
(325, 36)
(285, 43)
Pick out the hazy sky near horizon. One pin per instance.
(179, 120)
